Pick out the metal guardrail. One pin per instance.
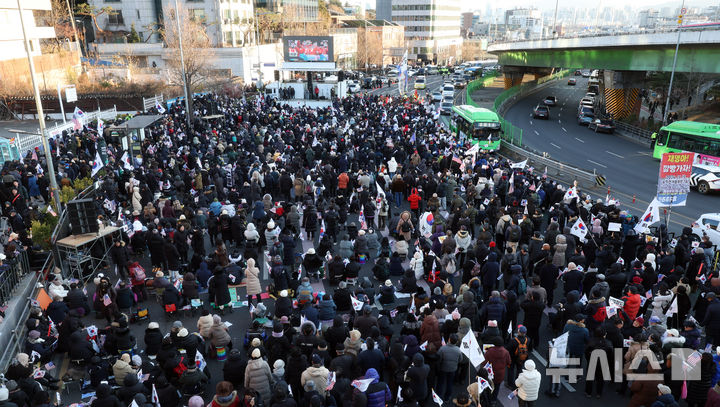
(17, 268)
(18, 333)
(554, 168)
(635, 132)
(152, 102)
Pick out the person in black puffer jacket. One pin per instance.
(124, 339)
(283, 305)
(105, 398)
(131, 387)
(80, 347)
(234, 368)
(277, 344)
(153, 339)
(167, 393)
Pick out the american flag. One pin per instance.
(694, 358)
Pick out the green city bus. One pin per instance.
(478, 125)
(686, 136)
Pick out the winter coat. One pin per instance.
(644, 392)
(578, 337)
(258, 377)
(219, 336)
(218, 289)
(317, 375)
(430, 331)
(252, 274)
(560, 247)
(378, 393)
(153, 341)
(450, 357)
(204, 325)
(499, 359)
(528, 382)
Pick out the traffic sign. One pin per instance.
(683, 10)
(600, 180)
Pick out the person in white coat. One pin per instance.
(392, 166)
(528, 385)
(416, 265)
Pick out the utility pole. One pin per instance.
(672, 73)
(188, 114)
(72, 21)
(41, 116)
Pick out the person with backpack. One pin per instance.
(513, 233)
(520, 347)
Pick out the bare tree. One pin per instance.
(196, 51)
(369, 47)
(84, 9)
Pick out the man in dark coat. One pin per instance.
(218, 288)
(711, 322)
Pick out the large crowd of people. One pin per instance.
(369, 244)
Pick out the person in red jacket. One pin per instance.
(499, 359)
(414, 200)
(632, 302)
(343, 180)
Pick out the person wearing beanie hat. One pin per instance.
(122, 368)
(16, 395)
(528, 384)
(317, 373)
(258, 376)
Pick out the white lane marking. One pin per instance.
(536, 132)
(564, 129)
(530, 121)
(616, 155)
(559, 121)
(598, 164)
(540, 359)
(645, 153)
(580, 140)
(555, 145)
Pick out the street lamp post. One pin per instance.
(182, 64)
(554, 27)
(672, 73)
(41, 116)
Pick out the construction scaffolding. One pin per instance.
(81, 256)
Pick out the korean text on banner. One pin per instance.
(674, 179)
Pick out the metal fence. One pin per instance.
(15, 337)
(15, 270)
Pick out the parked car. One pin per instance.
(585, 119)
(459, 83)
(419, 82)
(437, 96)
(572, 81)
(541, 112)
(707, 224)
(586, 73)
(602, 126)
(706, 178)
(578, 72)
(550, 101)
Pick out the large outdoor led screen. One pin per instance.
(308, 49)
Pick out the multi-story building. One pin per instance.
(383, 10)
(12, 43)
(524, 23)
(466, 22)
(303, 11)
(432, 28)
(229, 22)
(14, 65)
(378, 35)
(648, 18)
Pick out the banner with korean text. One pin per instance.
(674, 180)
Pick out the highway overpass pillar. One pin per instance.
(513, 78)
(620, 92)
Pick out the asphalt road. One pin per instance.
(628, 166)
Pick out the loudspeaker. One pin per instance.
(341, 75)
(82, 216)
(277, 76)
